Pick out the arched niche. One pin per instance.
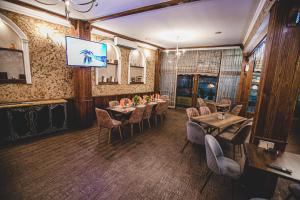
(113, 69)
(137, 67)
(23, 45)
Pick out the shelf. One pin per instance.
(136, 82)
(136, 66)
(12, 81)
(112, 64)
(107, 83)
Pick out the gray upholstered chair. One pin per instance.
(212, 107)
(113, 103)
(204, 110)
(238, 137)
(218, 163)
(200, 102)
(105, 121)
(236, 110)
(295, 191)
(195, 133)
(191, 112)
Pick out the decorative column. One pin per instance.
(280, 76)
(82, 81)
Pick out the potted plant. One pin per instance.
(148, 99)
(136, 100)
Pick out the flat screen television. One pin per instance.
(84, 53)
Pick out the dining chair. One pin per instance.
(147, 115)
(218, 163)
(164, 97)
(113, 103)
(294, 191)
(204, 110)
(238, 137)
(195, 134)
(212, 107)
(200, 102)
(160, 110)
(225, 101)
(236, 110)
(136, 117)
(191, 112)
(105, 121)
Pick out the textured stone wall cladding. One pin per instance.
(51, 79)
(124, 87)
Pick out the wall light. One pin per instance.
(48, 33)
(147, 53)
(247, 67)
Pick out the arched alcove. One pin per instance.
(20, 49)
(112, 73)
(137, 67)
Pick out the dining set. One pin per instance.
(131, 112)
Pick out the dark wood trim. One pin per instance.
(33, 7)
(158, 58)
(142, 9)
(213, 46)
(126, 37)
(4, 81)
(108, 83)
(132, 83)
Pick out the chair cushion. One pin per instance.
(229, 167)
(116, 123)
(295, 189)
(226, 135)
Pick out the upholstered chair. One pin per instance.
(225, 101)
(164, 97)
(238, 137)
(200, 102)
(160, 110)
(136, 117)
(236, 110)
(218, 163)
(191, 112)
(105, 121)
(147, 114)
(294, 191)
(113, 103)
(195, 133)
(212, 107)
(204, 110)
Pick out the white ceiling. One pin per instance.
(194, 23)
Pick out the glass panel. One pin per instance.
(207, 88)
(184, 90)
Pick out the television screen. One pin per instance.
(84, 53)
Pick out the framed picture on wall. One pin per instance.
(12, 69)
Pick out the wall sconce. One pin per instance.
(147, 53)
(247, 67)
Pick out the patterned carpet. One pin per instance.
(148, 166)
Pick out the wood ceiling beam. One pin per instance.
(142, 9)
(126, 37)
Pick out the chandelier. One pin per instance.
(89, 4)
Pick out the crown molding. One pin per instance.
(34, 13)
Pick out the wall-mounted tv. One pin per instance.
(84, 53)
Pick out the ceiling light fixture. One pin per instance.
(68, 3)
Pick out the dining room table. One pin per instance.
(218, 121)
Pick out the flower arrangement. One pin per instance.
(136, 99)
(148, 99)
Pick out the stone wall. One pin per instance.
(51, 78)
(124, 87)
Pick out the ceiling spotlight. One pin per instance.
(218, 32)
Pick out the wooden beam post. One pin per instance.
(82, 81)
(157, 71)
(280, 77)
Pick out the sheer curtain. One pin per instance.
(204, 62)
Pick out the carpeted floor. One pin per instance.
(148, 166)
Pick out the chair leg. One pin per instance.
(187, 142)
(109, 135)
(161, 119)
(149, 123)
(206, 181)
(120, 131)
(156, 121)
(131, 130)
(140, 127)
(233, 152)
(99, 135)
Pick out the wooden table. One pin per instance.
(213, 122)
(265, 180)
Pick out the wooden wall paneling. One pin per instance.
(157, 70)
(82, 82)
(280, 77)
(195, 89)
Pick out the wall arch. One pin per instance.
(144, 64)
